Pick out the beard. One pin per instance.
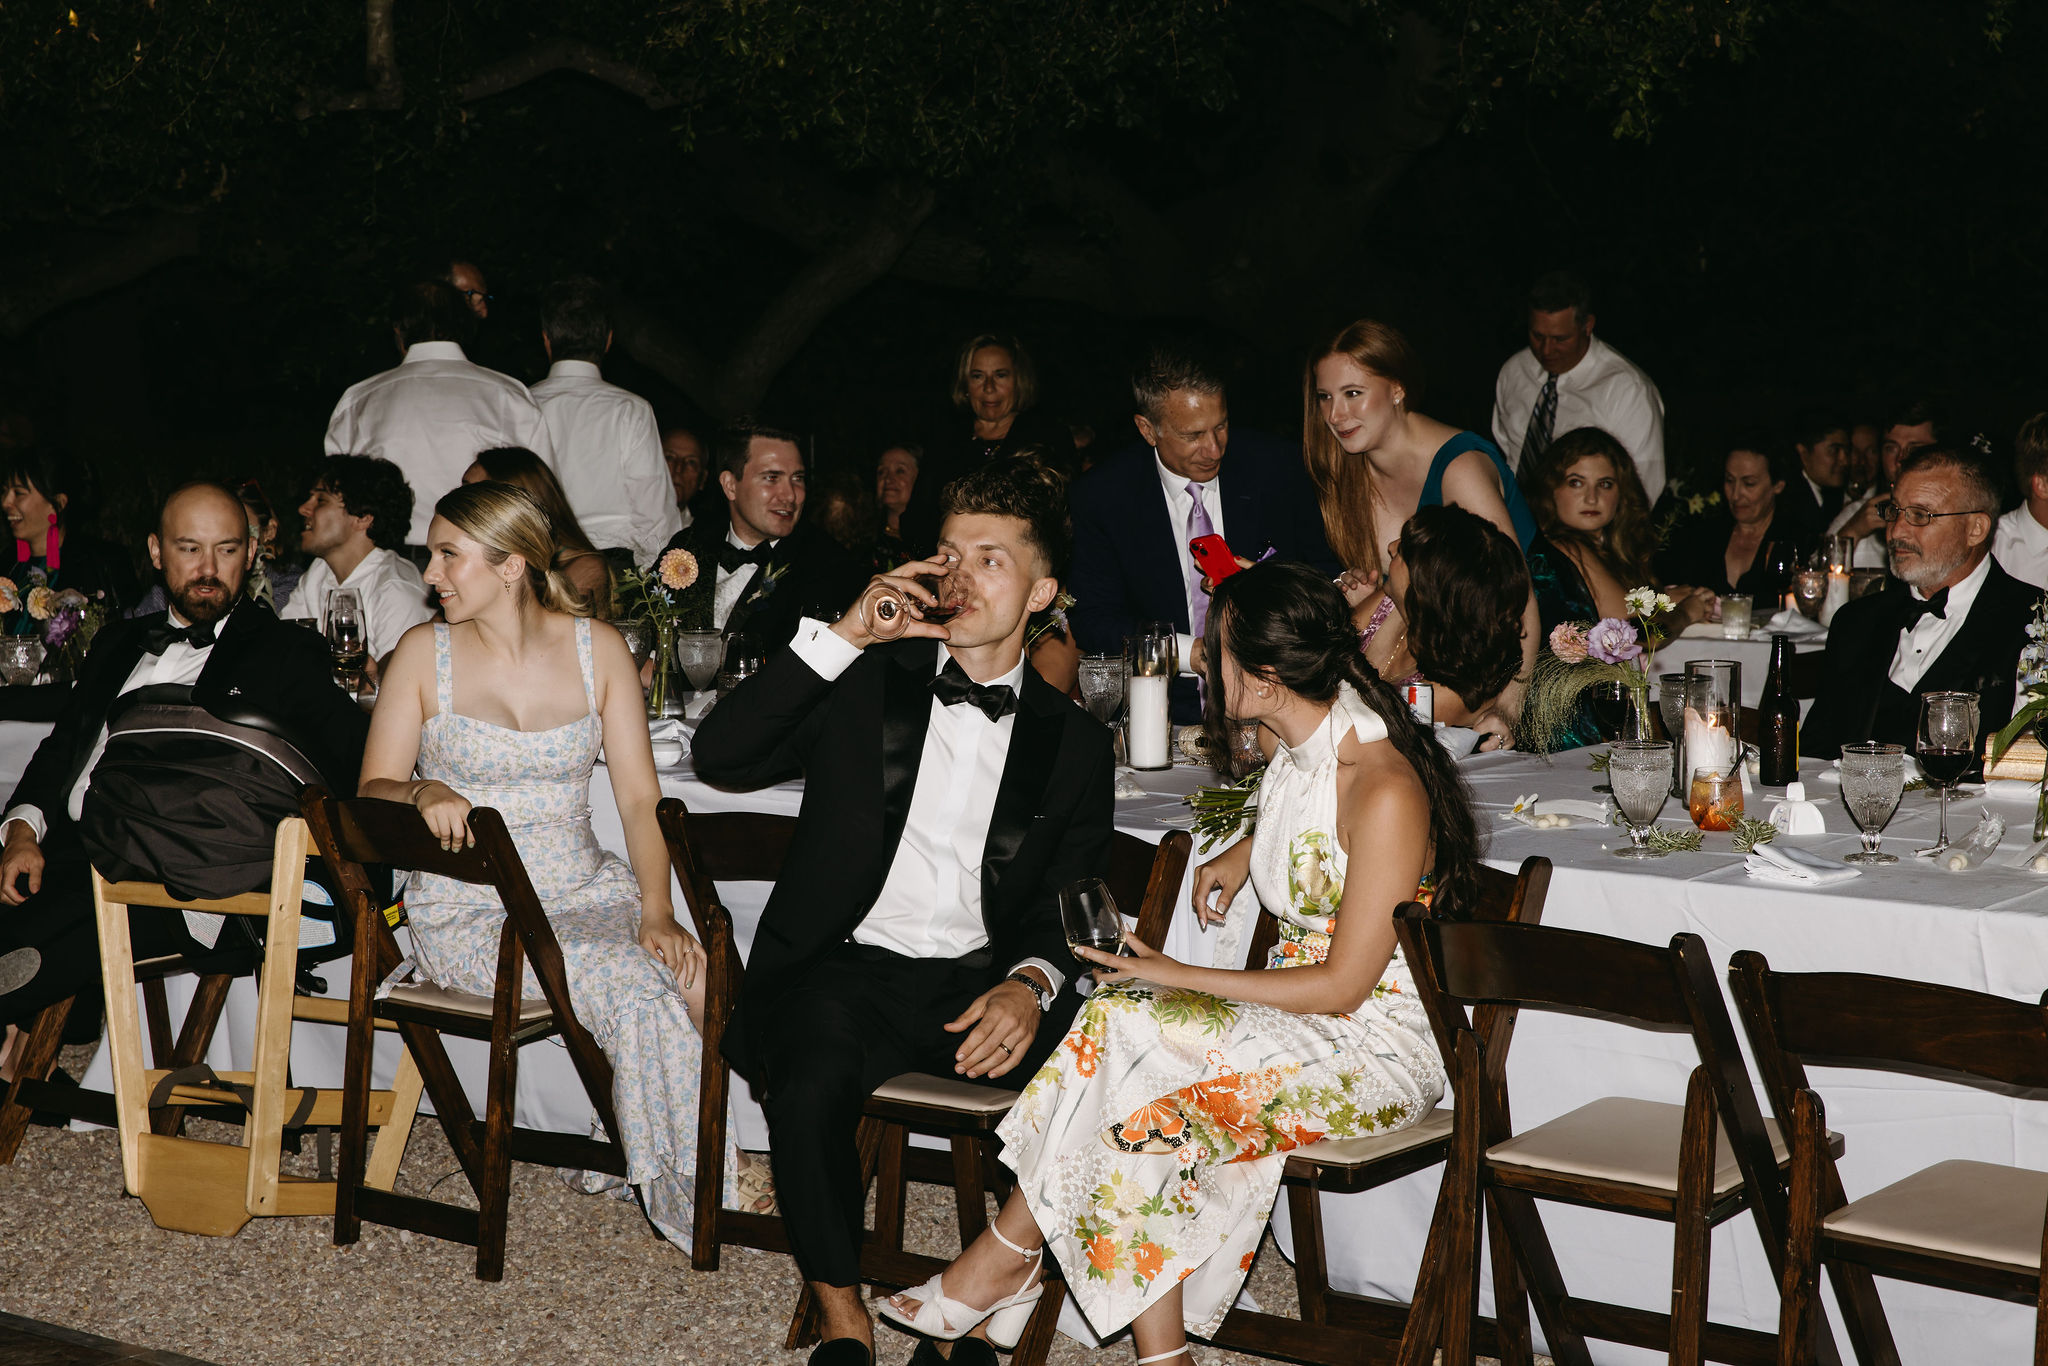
(204, 611)
(1923, 571)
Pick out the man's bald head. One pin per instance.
(203, 547)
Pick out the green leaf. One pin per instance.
(1750, 832)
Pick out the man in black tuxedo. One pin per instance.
(949, 792)
(1135, 513)
(1950, 620)
(759, 569)
(225, 647)
(1814, 495)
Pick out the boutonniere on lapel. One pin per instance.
(764, 583)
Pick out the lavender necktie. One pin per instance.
(1199, 525)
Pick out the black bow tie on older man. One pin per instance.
(164, 635)
(731, 557)
(1911, 609)
(952, 687)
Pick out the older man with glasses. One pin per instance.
(1951, 619)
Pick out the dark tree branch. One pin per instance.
(39, 285)
(567, 54)
(380, 66)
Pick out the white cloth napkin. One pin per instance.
(1794, 623)
(668, 728)
(1769, 863)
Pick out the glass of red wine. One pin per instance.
(1947, 748)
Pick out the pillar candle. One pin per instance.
(1149, 742)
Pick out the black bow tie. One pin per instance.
(731, 557)
(1912, 608)
(952, 688)
(164, 635)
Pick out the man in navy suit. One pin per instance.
(1135, 513)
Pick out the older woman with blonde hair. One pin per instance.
(507, 703)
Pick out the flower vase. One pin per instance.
(2041, 796)
(665, 694)
(1635, 722)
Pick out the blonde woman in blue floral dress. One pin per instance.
(1149, 1149)
(507, 704)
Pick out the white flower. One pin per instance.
(1640, 602)
(1524, 805)
(1695, 504)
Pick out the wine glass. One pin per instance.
(638, 634)
(1671, 706)
(743, 657)
(1947, 747)
(346, 638)
(1608, 703)
(21, 659)
(698, 654)
(1640, 773)
(1873, 776)
(1090, 917)
(1102, 685)
(1809, 590)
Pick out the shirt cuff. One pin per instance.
(1052, 974)
(30, 816)
(1184, 648)
(817, 645)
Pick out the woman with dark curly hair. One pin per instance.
(1591, 505)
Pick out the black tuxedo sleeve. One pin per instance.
(1082, 850)
(762, 732)
(47, 781)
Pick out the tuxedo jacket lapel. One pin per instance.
(1034, 747)
(1158, 558)
(906, 715)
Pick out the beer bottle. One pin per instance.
(1777, 720)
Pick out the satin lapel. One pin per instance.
(906, 715)
(1034, 746)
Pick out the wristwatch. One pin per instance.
(1044, 994)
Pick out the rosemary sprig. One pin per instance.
(1599, 762)
(1222, 811)
(1673, 841)
(1750, 832)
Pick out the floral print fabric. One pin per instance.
(540, 782)
(1150, 1145)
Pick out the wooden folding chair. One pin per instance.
(353, 833)
(215, 1188)
(1977, 1227)
(719, 847)
(1694, 1165)
(1335, 1327)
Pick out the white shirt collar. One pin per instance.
(1961, 594)
(574, 369)
(1014, 678)
(1176, 485)
(433, 350)
(732, 537)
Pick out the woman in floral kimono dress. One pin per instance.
(1149, 1148)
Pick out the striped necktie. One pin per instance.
(1542, 422)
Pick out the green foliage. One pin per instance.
(1750, 832)
(1684, 840)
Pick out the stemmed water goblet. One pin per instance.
(698, 654)
(1873, 776)
(1947, 745)
(1102, 685)
(1639, 771)
(346, 637)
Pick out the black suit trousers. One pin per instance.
(58, 923)
(856, 1017)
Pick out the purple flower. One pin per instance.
(1613, 641)
(61, 626)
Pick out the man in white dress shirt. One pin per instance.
(607, 446)
(355, 519)
(1568, 378)
(437, 409)
(685, 456)
(1918, 425)
(2020, 544)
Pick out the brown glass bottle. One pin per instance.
(1777, 720)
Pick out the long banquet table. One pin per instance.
(1986, 930)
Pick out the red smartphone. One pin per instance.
(1213, 558)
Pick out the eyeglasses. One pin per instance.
(1918, 516)
(477, 294)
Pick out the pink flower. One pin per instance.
(1568, 642)
(42, 602)
(678, 570)
(1613, 641)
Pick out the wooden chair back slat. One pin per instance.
(1145, 879)
(1568, 971)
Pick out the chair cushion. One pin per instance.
(1433, 1127)
(923, 1088)
(1619, 1138)
(427, 996)
(1980, 1210)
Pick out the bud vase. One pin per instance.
(665, 694)
(1635, 722)
(2041, 797)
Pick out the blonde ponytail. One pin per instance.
(506, 520)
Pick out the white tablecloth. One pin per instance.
(1753, 652)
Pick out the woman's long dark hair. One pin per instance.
(1288, 622)
(1468, 586)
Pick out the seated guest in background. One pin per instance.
(1950, 620)
(1814, 495)
(1566, 377)
(355, 520)
(842, 507)
(1920, 423)
(1739, 547)
(1865, 441)
(211, 638)
(583, 564)
(43, 495)
(2020, 545)
(1591, 505)
(771, 565)
(1152, 1197)
(437, 408)
(607, 452)
(995, 387)
(543, 690)
(949, 793)
(1135, 513)
(467, 279)
(1448, 612)
(895, 484)
(684, 455)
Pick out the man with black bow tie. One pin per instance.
(949, 793)
(759, 569)
(222, 645)
(1950, 620)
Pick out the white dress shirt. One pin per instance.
(731, 584)
(2020, 545)
(1179, 508)
(1603, 390)
(181, 662)
(930, 903)
(430, 416)
(1869, 551)
(1922, 643)
(608, 454)
(393, 594)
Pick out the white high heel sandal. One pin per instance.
(1184, 1350)
(939, 1316)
